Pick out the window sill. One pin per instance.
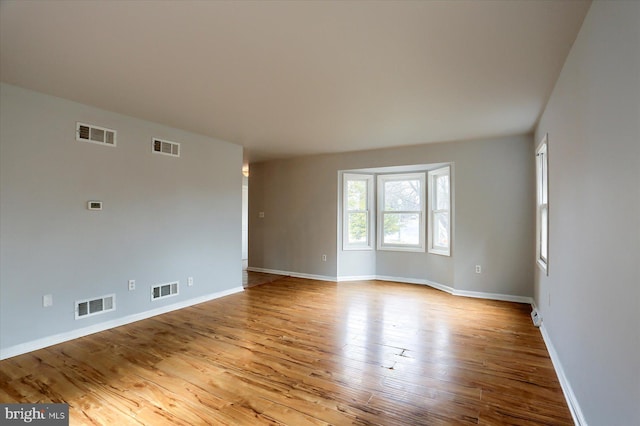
(440, 252)
(353, 248)
(404, 249)
(544, 266)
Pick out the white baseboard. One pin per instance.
(357, 278)
(33, 345)
(445, 288)
(450, 290)
(572, 401)
(292, 274)
(402, 280)
(494, 296)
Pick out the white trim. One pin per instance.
(493, 296)
(463, 293)
(443, 287)
(356, 278)
(44, 342)
(293, 274)
(572, 401)
(403, 280)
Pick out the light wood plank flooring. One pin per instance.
(252, 279)
(304, 352)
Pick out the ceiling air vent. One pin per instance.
(161, 291)
(95, 134)
(160, 146)
(90, 307)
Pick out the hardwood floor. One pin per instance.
(252, 279)
(304, 352)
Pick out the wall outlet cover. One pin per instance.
(47, 300)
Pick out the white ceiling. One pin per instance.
(293, 78)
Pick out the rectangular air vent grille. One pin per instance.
(160, 146)
(100, 305)
(95, 134)
(161, 291)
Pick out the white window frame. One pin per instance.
(370, 209)
(420, 247)
(433, 175)
(542, 204)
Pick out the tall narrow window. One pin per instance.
(358, 211)
(542, 202)
(401, 212)
(440, 211)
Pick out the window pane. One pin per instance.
(440, 211)
(357, 195)
(402, 195)
(357, 232)
(545, 188)
(543, 233)
(441, 229)
(401, 229)
(442, 193)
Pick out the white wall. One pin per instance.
(164, 218)
(493, 216)
(590, 302)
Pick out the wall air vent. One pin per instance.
(163, 147)
(95, 134)
(91, 307)
(160, 291)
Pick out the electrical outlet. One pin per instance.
(190, 281)
(132, 285)
(47, 300)
(478, 269)
(324, 257)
